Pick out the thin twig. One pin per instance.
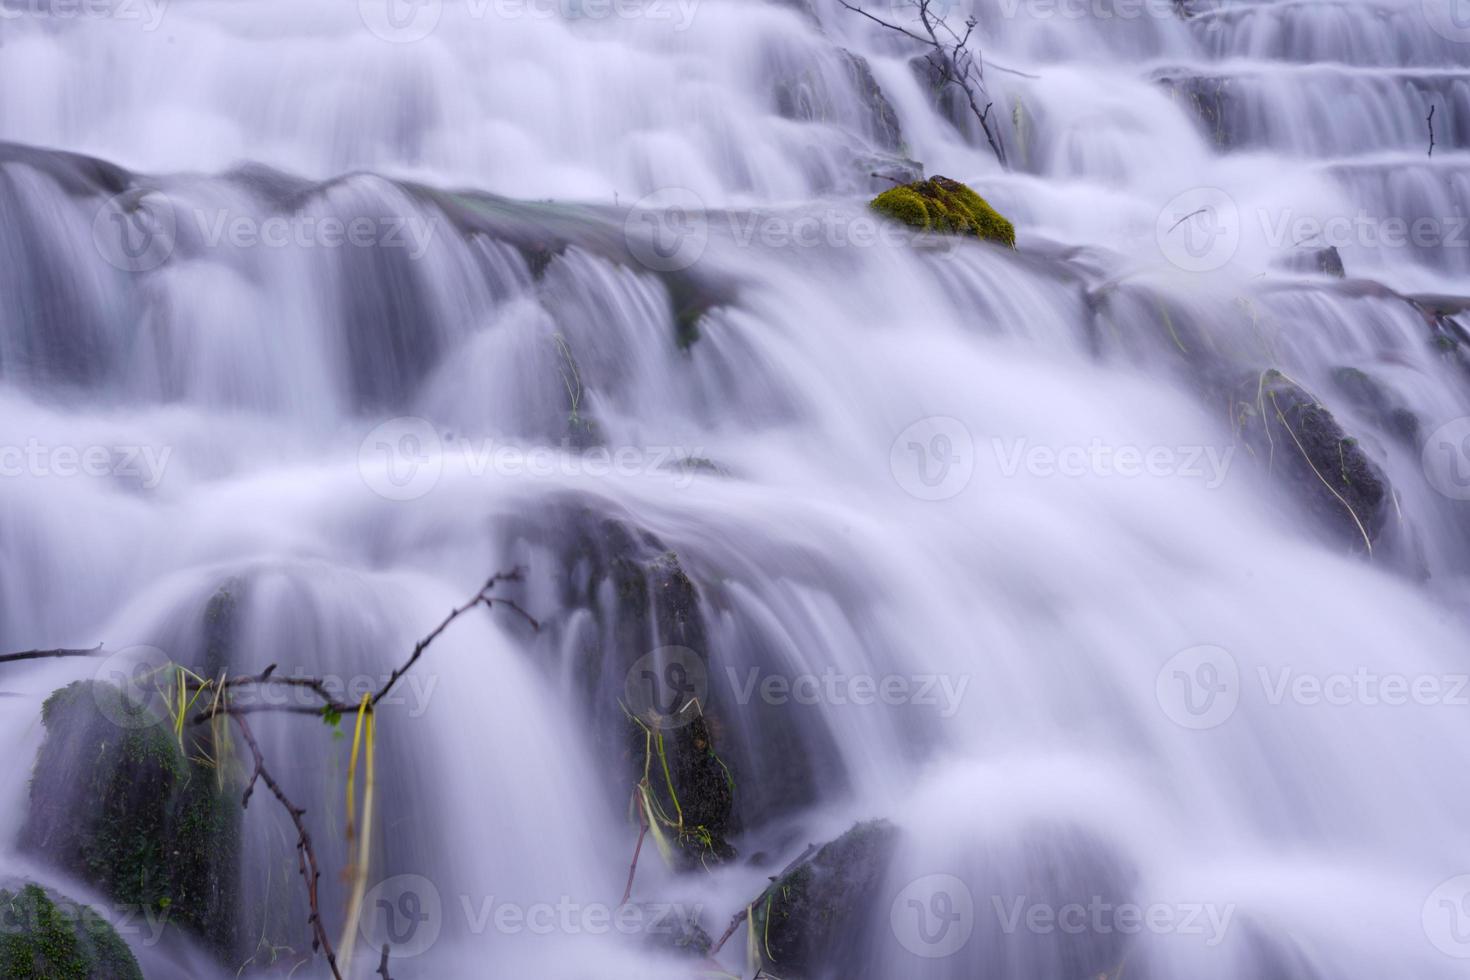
(317, 686)
(383, 964)
(1430, 120)
(306, 855)
(482, 598)
(7, 658)
(952, 63)
(637, 850)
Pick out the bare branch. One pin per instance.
(953, 62)
(6, 658)
(1430, 120)
(306, 855)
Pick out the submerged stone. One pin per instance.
(808, 916)
(946, 206)
(1295, 435)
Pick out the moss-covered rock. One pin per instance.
(114, 801)
(45, 936)
(946, 206)
(1295, 435)
(808, 916)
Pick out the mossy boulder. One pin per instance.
(114, 801)
(806, 920)
(45, 936)
(644, 600)
(947, 207)
(1299, 440)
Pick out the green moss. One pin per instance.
(114, 801)
(945, 206)
(48, 937)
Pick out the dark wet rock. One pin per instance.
(47, 936)
(1378, 402)
(883, 125)
(1209, 98)
(1299, 441)
(1326, 261)
(114, 801)
(807, 920)
(647, 604)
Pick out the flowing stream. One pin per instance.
(339, 307)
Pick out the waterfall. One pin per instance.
(314, 315)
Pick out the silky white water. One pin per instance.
(867, 462)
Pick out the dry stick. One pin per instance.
(481, 598)
(1430, 120)
(637, 850)
(310, 869)
(306, 855)
(43, 654)
(739, 917)
(318, 687)
(958, 66)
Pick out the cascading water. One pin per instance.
(315, 314)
